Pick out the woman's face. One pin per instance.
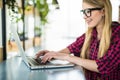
(92, 15)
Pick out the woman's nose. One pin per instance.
(84, 16)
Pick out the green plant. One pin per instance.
(43, 9)
(11, 4)
(14, 10)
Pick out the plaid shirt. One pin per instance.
(109, 64)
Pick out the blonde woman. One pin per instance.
(98, 50)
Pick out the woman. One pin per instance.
(98, 50)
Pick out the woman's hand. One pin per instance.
(56, 55)
(48, 55)
(41, 53)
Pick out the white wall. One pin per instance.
(65, 25)
(71, 10)
(115, 7)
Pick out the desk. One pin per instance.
(15, 69)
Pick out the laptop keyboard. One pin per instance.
(33, 61)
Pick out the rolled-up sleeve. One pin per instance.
(76, 46)
(111, 59)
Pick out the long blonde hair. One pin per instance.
(106, 33)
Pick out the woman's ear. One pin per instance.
(103, 12)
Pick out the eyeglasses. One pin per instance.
(87, 12)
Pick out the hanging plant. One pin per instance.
(14, 9)
(43, 10)
(11, 4)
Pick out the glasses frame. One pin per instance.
(89, 9)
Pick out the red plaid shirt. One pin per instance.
(109, 64)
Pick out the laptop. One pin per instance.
(33, 63)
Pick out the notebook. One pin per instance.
(33, 63)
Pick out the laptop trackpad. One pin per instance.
(56, 61)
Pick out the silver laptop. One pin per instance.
(33, 63)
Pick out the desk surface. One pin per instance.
(15, 69)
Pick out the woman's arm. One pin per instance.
(65, 50)
(85, 63)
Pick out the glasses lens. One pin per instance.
(86, 12)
